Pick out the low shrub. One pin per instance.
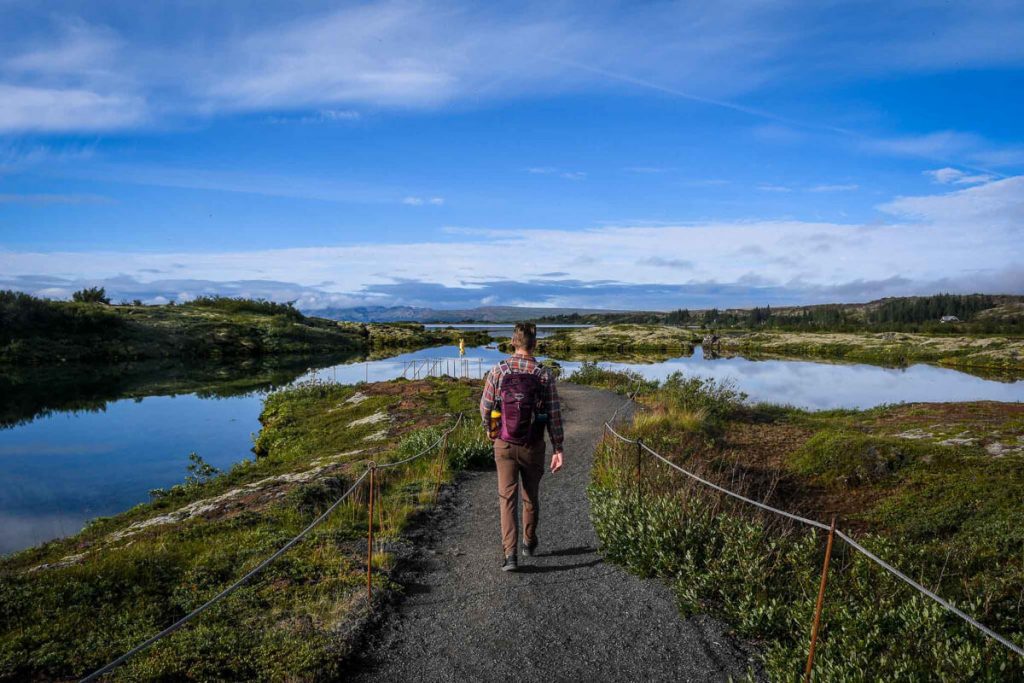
(763, 581)
(622, 381)
(240, 305)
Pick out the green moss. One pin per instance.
(855, 458)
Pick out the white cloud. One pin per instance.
(766, 187)
(421, 201)
(981, 209)
(955, 176)
(74, 83)
(66, 109)
(124, 69)
(322, 116)
(969, 235)
(849, 187)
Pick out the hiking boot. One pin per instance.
(530, 550)
(511, 563)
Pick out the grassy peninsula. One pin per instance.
(37, 331)
(935, 489)
(889, 348)
(626, 338)
(71, 605)
(968, 352)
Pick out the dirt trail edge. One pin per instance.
(566, 615)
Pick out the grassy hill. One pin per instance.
(40, 331)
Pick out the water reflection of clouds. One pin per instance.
(21, 531)
(805, 384)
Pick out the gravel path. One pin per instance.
(566, 615)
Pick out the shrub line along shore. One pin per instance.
(889, 348)
(43, 332)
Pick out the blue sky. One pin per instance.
(633, 155)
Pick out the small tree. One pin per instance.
(92, 295)
(199, 471)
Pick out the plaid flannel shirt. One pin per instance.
(551, 402)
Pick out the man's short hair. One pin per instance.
(525, 336)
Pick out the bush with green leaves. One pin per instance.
(241, 305)
(468, 446)
(621, 381)
(91, 295)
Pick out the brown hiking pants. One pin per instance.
(513, 462)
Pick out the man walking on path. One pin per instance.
(524, 393)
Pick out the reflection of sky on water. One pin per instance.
(819, 386)
(804, 384)
(60, 470)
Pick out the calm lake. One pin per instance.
(69, 454)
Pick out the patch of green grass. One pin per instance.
(854, 458)
(621, 381)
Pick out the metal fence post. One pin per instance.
(821, 600)
(369, 537)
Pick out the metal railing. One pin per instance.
(470, 368)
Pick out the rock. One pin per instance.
(916, 433)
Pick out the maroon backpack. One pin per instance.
(522, 405)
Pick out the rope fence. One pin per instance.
(371, 468)
(832, 530)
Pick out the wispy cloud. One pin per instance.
(552, 171)
(660, 262)
(930, 239)
(322, 116)
(768, 187)
(53, 199)
(98, 71)
(423, 201)
(954, 176)
(849, 187)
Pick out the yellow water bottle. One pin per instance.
(494, 428)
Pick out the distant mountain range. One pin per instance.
(484, 314)
(1003, 305)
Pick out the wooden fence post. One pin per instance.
(442, 457)
(369, 537)
(639, 454)
(821, 600)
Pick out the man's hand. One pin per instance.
(556, 461)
